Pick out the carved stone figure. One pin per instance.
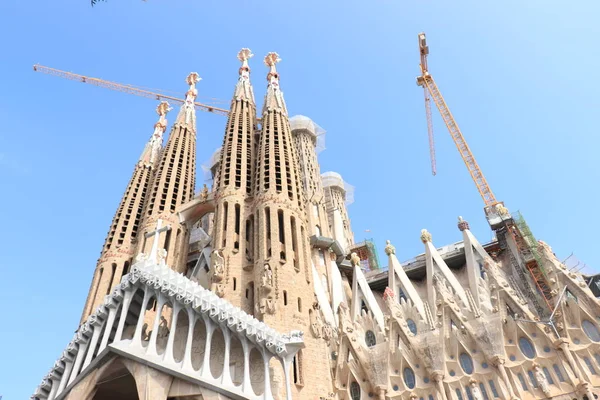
(218, 268)
(163, 328)
(425, 236)
(389, 249)
(204, 193)
(141, 257)
(462, 224)
(162, 256)
(540, 377)
(316, 324)
(475, 390)
(267, 277)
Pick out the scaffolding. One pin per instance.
(367, 252)
(527, 246)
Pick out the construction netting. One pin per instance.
(302, 122)
(331, 178)
(367, 252)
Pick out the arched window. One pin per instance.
(409, 378)
(370, 339)
(526, 347)
(466, 363)
(412, 326)
(590, 365)
(591, 330)
(355, 391)
(548, 376)
(558, 373)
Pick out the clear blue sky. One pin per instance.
(519, 78)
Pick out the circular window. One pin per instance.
(466, 363)
(526, 347)
(355, 391)
(412, 326)
(370, 339)
(591, 330)
(409, 378)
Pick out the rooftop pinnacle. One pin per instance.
(187, 114)
(274, 97)
(243, 89)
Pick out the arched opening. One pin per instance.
(198, 344)
(217, 353)
(278, 388)
(236, 361)
(116, 383)
(164, 327)
(133, 314)
(181, 333)
(257, 372)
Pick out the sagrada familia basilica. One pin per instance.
(252, 289)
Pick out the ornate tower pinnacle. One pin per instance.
(187, 114)
(151, 151)
(243, 89)
(274, 97)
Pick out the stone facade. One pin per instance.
(465, 322)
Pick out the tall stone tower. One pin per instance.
(118, 250)
(173, 185)
(233, 242)
(284, 293)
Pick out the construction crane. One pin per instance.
(429, 86)
(497, 215)
(124, 88)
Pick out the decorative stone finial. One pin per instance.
(244, 55)
(425, 236)
(389, 249)
(271, 60)
(162, 109)
(388, 294)
(462, 224)
(187, 114)
(355, 260)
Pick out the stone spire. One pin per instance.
(274, 97)
(173, 184)
(118, 250)
(234, 222)
(154, 146)
(187, 113)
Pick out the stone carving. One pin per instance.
(475, 390)
(355, 260)
(389, 249)
(327, 331)
(388, 294)
(425, 236)
(204, 193)
(345, 321)
(267, 277)
(217, 261)
(316, 323)
(540, 377)
(266, 303)
(141, 257)
(462, 224)
(163, 328)
(162, 256)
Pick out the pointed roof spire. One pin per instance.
(243, 89)
(187, 114)
(150, 153)
(274, 97)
